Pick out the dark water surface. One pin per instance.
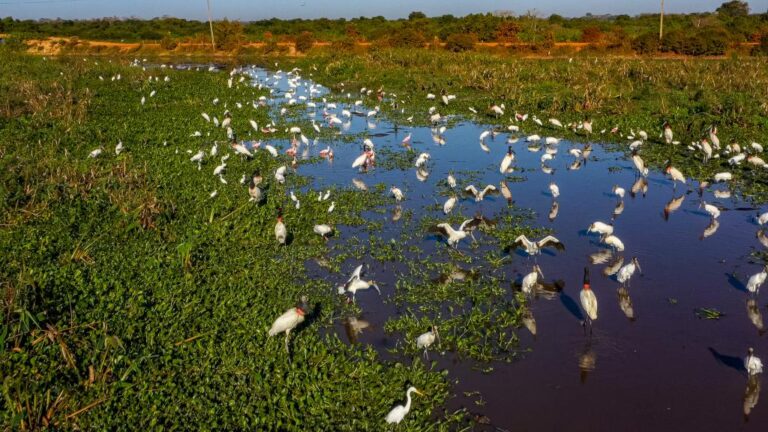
(667, 369)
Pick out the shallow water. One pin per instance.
(665, 369)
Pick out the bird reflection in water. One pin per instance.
(614, 266)
(672, 206)
(587, 361)
(753, 312)
(751, 395)
(711, 229)
(353, 327)
(553, 211)
(625, 303)
(397, 213)
(640, 186)
(529, 321)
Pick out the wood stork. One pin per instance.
(450, 203)
(397, 193)
(625, 273)
(281, 233)
(425, 340)
(506, 163)
(531, 280)
(479, 195)
(600, 228)
(535, 247)
(290, 320)
(757, 280)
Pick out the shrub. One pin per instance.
(646, 43)
(304, 41)
(406, 38)
(168, 43)
(591, 34)
(459, 42)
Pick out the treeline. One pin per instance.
(708, 33)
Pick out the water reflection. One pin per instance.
(751, 395)
(353, 327)
(753, 312)
(625, 303)
(587, 360)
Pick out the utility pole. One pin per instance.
(661, 21)
(210, 23)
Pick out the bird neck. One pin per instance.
(280, 219)
(408, 400)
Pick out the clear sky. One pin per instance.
(254, 9)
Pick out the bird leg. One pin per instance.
(426, 354)
(287, 335)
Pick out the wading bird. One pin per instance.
(290, 320)
(535, 247)
(506, 163)
(531, 280)
(451, 235)
(323, 230)
(280, 232)
(752, 363)
(757, 280)
(625, 273)
(479, 195)
(449, 204)
(588, 300)
(601, 228)
(397, 193)
(425, 340)
(397, 414)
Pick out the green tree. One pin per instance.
(459, 42)
(416, 15)
(228, 34)
(734, 8)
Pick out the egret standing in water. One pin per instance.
(398, 413)
(588, 301)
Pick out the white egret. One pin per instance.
(397, 414)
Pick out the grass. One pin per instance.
(131, 299)
(631, 94)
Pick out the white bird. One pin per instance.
(241, 150)
(713, 211)
(533, 138)
(675, 173)
(588, 299)
(555, 122)
(535, 247)
(453, 236)
(451, 181)
(484, 134)
(554, 190)
(271, 150)
(752, 363)
(507, 161)
(449, 204)
(425, 340)
(422, 159)
(531, 280)
(198, 158)
(668, 135)
(614, 242)
(397, 413)
(95, 153)
(119, 148)
(601, 228)
(757, 280)
(281, 233)
(280, 174)
(358, 284)
(323, 230)
(626, 272)
(143, 100)
(397, 193)
(618, 191)
(762, 219)
(332, 206)
(723, 176)
(289, 320)
(479, 195)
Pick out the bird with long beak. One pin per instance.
(612, 241)
(479, 195)
(675, 174)
(506, 192)
(254, 191)
(450, 203)
(625, 273)
(359, 284)
(422, 159)
(290, 320)
(324, 230)
(398, 413)
(601, 228)
(535, 247)
(712, 210)
(668, 135)
(280, 231)
(757, 280)
(531, 280)
(396, 193)
(425, 340)
(588, 300)
(506, 163)
(752, 363)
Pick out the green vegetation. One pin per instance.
(628, 94)
(131, 299)
(705, 33)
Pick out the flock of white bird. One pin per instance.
(709, 148)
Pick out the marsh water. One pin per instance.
(666, 368)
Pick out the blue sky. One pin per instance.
(254, 9)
